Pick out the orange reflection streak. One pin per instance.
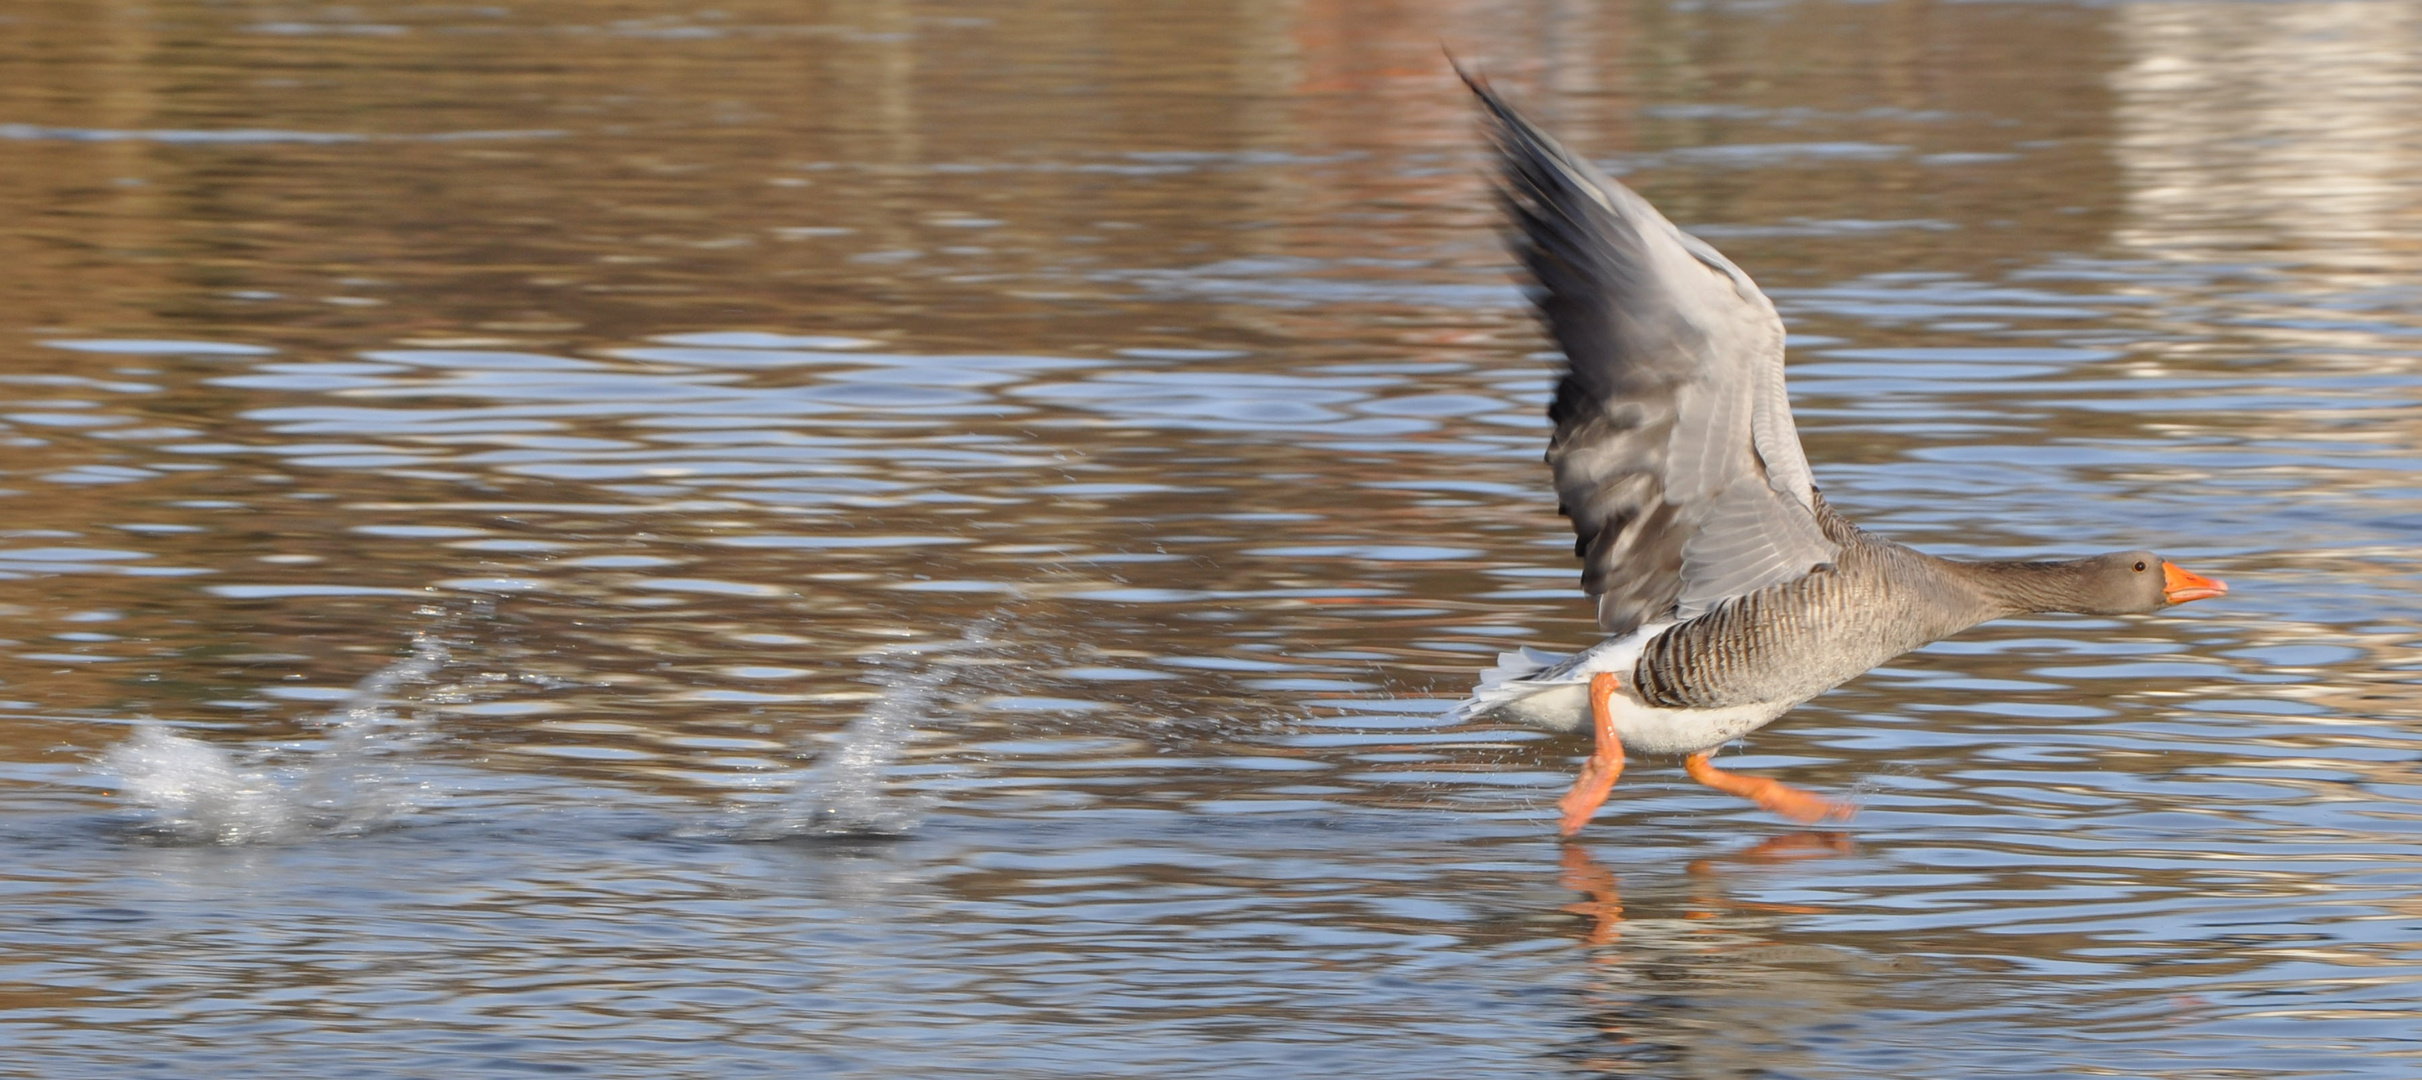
(1586, 875)
(1787, 848)
(1583, 873)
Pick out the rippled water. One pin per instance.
(876, 539)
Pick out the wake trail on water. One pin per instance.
(355, 778)
(841, 793)
(362, 774)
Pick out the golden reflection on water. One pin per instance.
(2283, 128)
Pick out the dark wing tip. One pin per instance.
(1479, 84)
(1514, 132)
(1471, 77)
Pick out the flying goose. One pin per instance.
(1729, 591)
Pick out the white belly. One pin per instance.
(1525, 686)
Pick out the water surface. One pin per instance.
(879, 539)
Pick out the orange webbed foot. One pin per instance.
(1774, 795)
(1605, 763)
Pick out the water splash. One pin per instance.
(841, 794)
(353, 779)
(198, 792)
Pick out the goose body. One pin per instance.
(1729, 590)
(1696, 685)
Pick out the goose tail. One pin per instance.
(1506, 683)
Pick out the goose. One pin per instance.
(1728, 590)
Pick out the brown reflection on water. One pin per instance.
(702, 169)
(2285, 129)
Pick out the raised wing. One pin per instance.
(1674, 453)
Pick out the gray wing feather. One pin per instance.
(1750, 538)
(1674, 452)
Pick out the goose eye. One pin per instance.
(2140, 568)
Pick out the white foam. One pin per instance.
(196, 791)
(842, 792)
(356, 777)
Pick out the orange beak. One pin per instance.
(2179, 586)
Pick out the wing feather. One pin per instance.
(1674, 452)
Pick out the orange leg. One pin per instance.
(1774, 795)
(1605, 762)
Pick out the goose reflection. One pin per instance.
(1723, 986)
(1584, 874)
